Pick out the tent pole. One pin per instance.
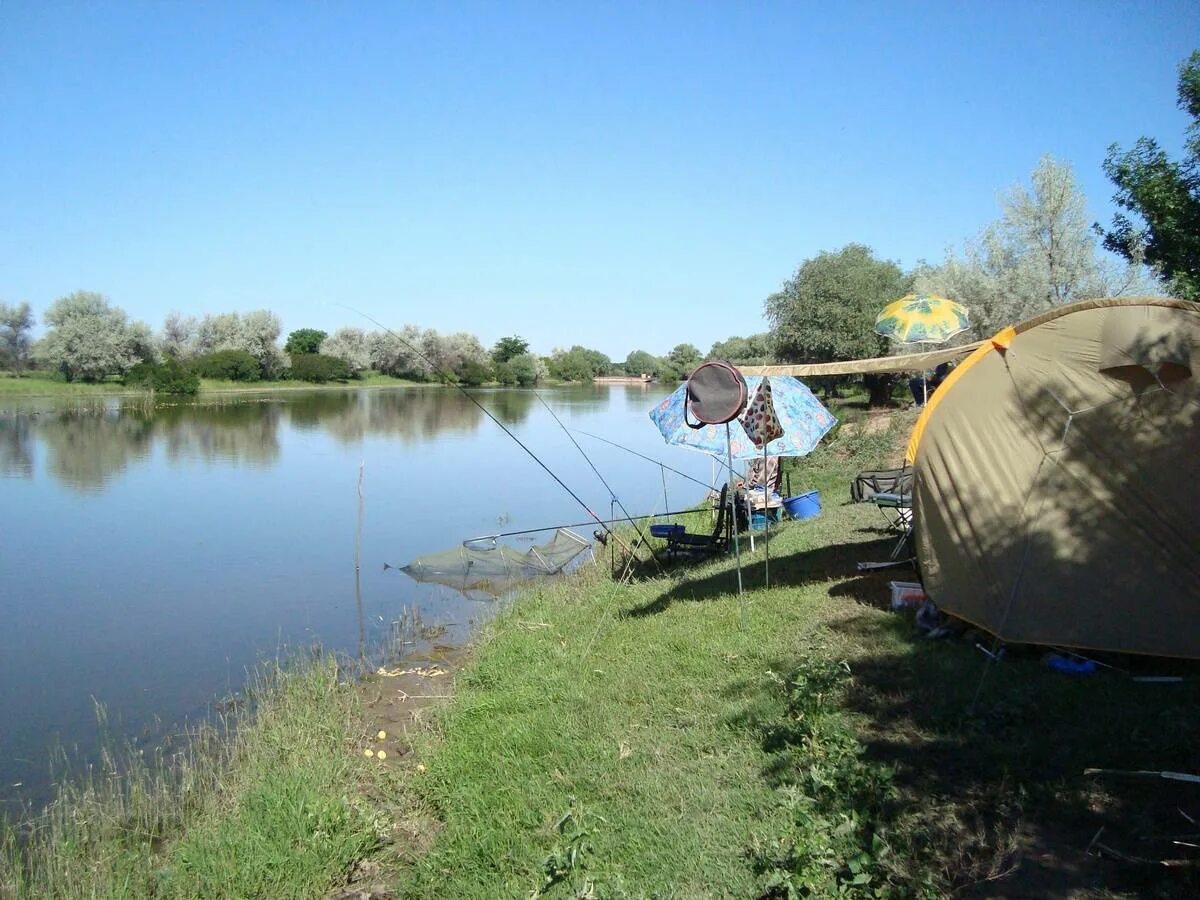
(737, 552)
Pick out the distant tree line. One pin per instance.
(90, 339)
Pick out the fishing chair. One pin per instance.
(897, 510)
(884, 481)
(681, 542)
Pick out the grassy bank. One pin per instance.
(639, 740)
(39, 385)
(650, 739)
(270, 805)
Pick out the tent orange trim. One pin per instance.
(910, 454)
(1003, 339)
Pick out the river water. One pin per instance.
(149, 557)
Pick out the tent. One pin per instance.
(1057, 480)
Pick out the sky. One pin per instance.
(619, 175)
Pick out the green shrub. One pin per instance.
(317, 368)
(228, 365)
(167, 377)
(474, 373)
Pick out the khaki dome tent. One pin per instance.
(1057, 480)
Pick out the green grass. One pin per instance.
(271, 806)
(641, 740)
(36, 384)
(638, 709)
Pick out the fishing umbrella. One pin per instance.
(801, 415)
(922, 319)
(799, 421)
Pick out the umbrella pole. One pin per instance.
(749, 509)
(766, 521)
(737, 551)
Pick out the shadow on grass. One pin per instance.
(994, 797)
(714, 582)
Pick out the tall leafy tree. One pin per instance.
(639, 362)
(395, 353)
(578, 364)
(351, 346)
(1162, 197)
(752, 350)
(508, 347)
(178, 336)
(826, 311)
(1040, 253)
(90, 339)
(256, 333)
(304, 340)
(15, 324)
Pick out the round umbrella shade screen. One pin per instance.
(803, 418)
(922, 319)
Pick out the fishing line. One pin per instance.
(603, 481)
(449, 378)
(643, 456)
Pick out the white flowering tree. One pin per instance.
(89, 339)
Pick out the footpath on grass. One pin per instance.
(647, 739)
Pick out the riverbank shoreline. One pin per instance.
(27, 386)
(606, 739)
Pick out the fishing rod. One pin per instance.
(489, 537)
(449, 378)
(603, 481)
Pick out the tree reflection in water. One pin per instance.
(16, 452)
(88, 447)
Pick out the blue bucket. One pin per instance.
(804, 506)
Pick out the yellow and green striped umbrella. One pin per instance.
(922, 318)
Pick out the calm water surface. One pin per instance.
(148, 558)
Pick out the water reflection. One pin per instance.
(87, 448)
(244, 433)
(16, 447)
(151, 555)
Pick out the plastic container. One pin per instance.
(803, 506)
(906, 594)
(666, 531)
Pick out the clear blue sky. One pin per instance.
(627, 175)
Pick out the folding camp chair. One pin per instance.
(884, 481)
(897, 510)
(681, 542)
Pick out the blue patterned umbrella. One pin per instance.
(805, 421)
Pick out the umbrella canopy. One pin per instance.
(922, 318)
(804, 420)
